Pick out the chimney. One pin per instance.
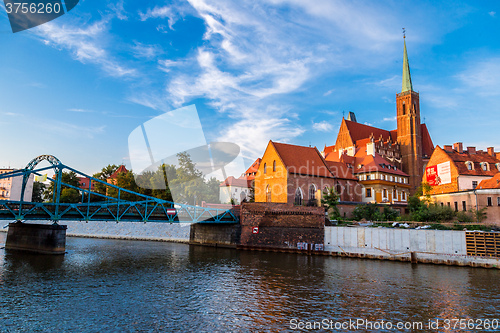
(471, 150)
(491, 151)
(448, 148)
(459, 147)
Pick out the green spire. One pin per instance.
(407, 86)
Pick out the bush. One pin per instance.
(464, 217)
(390, 214)
(433, 213)
(367, 212)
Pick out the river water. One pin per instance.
(135, 286)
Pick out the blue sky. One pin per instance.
(282, 70)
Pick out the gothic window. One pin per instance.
(298, 197)
(265, 167)
(312, 192)
(404, 108)
(268, 194)
(274, 166)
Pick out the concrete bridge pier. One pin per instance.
(37, 238)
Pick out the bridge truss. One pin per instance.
(144, 209)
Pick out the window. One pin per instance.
(392, 178)
(456, 206)
(382, 177)
(484, 166)
(384, 193)
(464, 206)
(312, 192)
(449, 204)
(469, 165)
(474, 184)
(268, 194)
(403, 195)
(442, 204)
(498, 201)
(490, 203)
(369, 193)
(298, 197)
(367, 177)
(498, 166)
(394, 194)
(274, 166)
(265, 167)
(404, 108)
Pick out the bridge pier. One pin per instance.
(37, 238)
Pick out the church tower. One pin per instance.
(409, 128)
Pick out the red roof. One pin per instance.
(491, 183)
(250, 173)
(476, 159)
(360, 131)
(120, 169)
(427, 145)
(239, 182)
(377, 163)
(302, 160)
(340, 170)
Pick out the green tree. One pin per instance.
(69, 178)
(103, 175)
(330, 199)
(125, 180)
(38, 189)
(481, 214)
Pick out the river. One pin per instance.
(103, 285)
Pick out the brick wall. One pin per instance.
(281, 225)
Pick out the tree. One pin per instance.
(105, 173)
(38, 189)
(69, 178)
(481, 214)
(125, 180)
(330, 200)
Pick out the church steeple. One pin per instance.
(407, 86)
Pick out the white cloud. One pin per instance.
(159, 13)
(86, 44)
(141, 50)
(390, 119)
(492, 14)
(329, 92)
(322, 126)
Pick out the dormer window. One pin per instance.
(470, 165)
(498, 166)
(484, 166)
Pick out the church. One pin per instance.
(388, 163)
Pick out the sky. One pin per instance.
(282, 70)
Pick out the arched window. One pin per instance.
(404, 108)
(268, 194)
(338, 188)
(298, 197)
(485, 166)
(265, 167)
(470, 166)
(312, 192)
(274, 166)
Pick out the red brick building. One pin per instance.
(299, 175)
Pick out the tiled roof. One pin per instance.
(340, 170)
(360, 131)
(120, 169)
(302, 160)
(253, 169)
(477, 158)
(376, 163)
(491, 183)
(239, 182)
(427, 145)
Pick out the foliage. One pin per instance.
(330, 199)
(38, 189)
(105, 173)
(390, 214)
(69, 178)
(368, 212)
(464, 217)
(432, 213)
(481, 215)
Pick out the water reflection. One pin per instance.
(153, 286)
